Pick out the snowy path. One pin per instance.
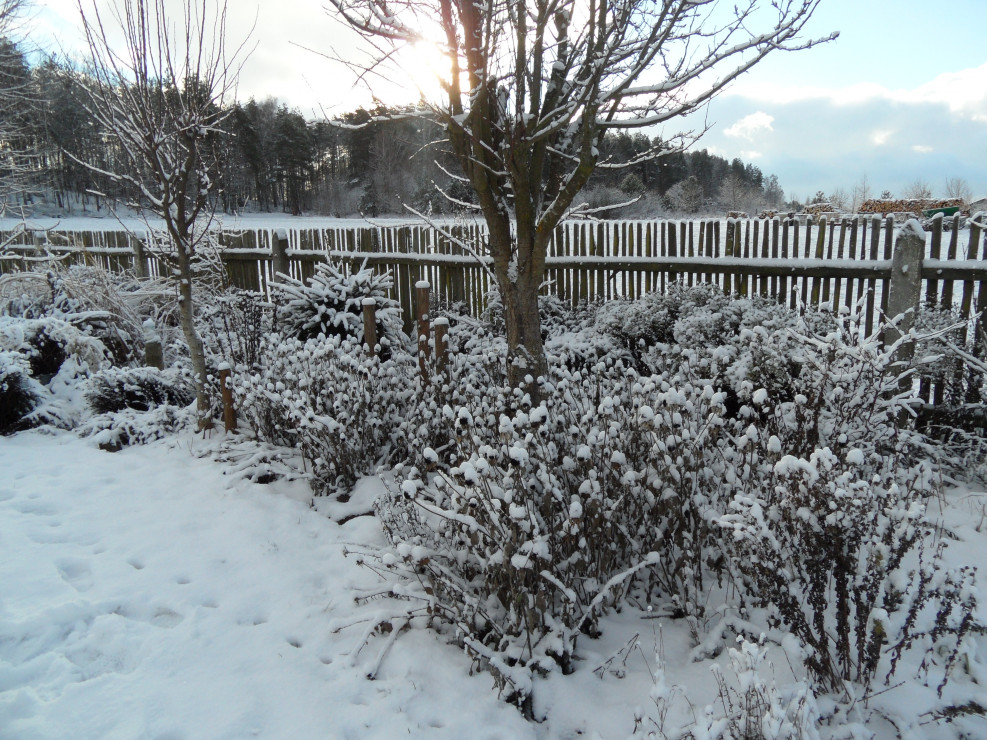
(142, 597)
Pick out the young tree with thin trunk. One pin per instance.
(532, 86)
(159, 94)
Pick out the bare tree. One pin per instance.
(861, 193)
(918, 189)
(159, 94)
(18, 100)
(957, 187)
(532, 85)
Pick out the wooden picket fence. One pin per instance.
(839, 262)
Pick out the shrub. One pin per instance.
(117, 429)
(140, 389)
(548, 516)
(331, 304)
(329, 399)
(827, 527)
(20, 394)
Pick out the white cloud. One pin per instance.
(921, 149)
(751, 154)
(880, 137)
(749, 126)
(963, 92)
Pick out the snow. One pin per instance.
(147, 595)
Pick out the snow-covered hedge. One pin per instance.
(331, 400)
(765, 464)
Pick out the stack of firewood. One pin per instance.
(908, 205)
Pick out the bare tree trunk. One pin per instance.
(197, 356)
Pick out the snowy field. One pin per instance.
(146, 594)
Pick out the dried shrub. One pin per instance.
(329, 399)
(140, 389)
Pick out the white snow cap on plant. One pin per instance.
(855, 457)
(150, 331)
(760, 396)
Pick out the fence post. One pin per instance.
(153, 354)
(229, 413)
(441, 344)
(140, 258)
(279, 255)
(422, 328)
(370, 325)
(905, 292)
(40, 241)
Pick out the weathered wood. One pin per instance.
(226, 391)
(279, 256)
(369, 306)
(906, 287)
(423, 329)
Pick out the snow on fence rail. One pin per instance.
(839, 261)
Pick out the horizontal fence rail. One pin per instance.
(840, 263)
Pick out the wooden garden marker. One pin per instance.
(441, 344)
(370, 325)
(229, 413)
(153, 354)
(422, 327)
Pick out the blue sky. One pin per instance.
(900, 96)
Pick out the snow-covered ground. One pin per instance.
(147, 594)
(142, 595)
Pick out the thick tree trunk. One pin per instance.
(526, 361)
(519, 277)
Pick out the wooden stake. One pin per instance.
(423, 329)
(229, 413)
(370, 325)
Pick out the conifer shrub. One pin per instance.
(331, 304)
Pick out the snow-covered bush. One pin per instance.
(20, 394)
(526, 524)
(328, 398)
(706, 334)
(58, 357)
(109, 306)
(533, 522)
(827, 527)
(128, 426)
(233, 325)
(143, 388)
(331, 304)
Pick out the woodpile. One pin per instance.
(915, 206)
(819, 209)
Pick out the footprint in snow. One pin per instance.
(76, 573)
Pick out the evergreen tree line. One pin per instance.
(372, 162)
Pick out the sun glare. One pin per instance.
(420, 68)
